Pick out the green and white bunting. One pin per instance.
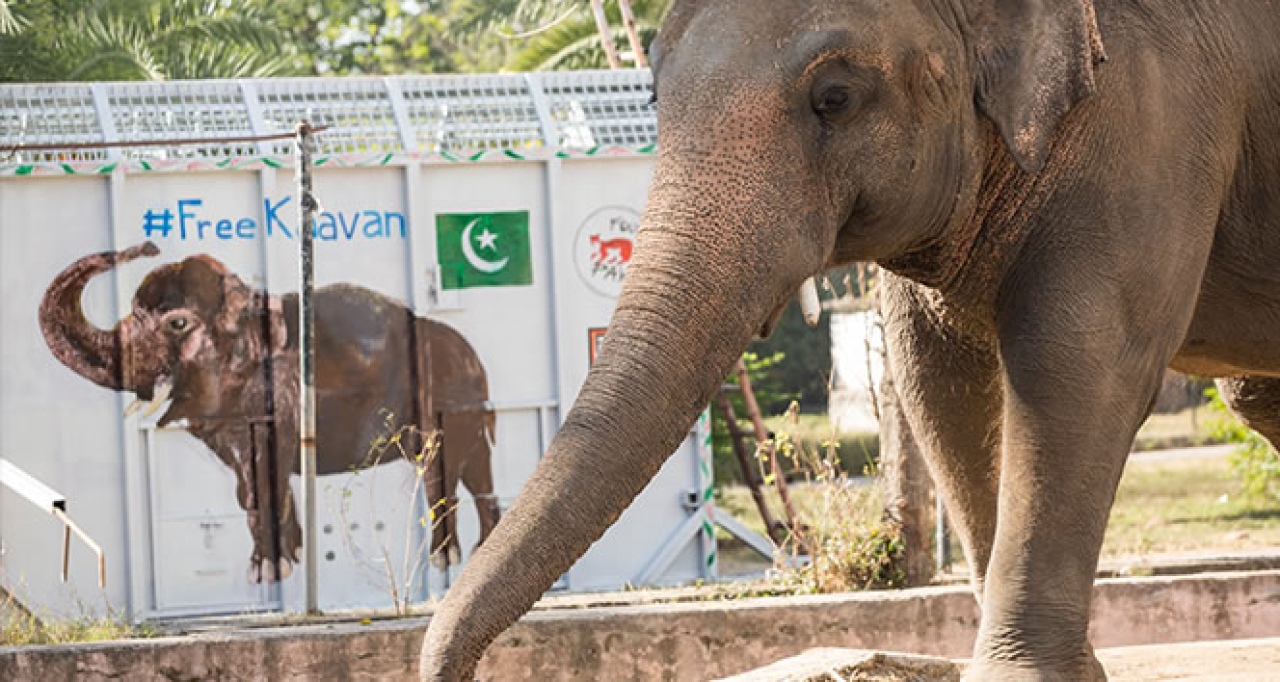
(484, 249)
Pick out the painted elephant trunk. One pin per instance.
(685, 315)
(93, 353)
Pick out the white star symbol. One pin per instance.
(487, 240)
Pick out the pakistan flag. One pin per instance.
(483, 249)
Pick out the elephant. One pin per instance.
(226, 358)
(1069, 196)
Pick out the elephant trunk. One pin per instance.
(695, 293)
(93, 353)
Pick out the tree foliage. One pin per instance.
(59, 40)
(574, 43)
(51, 40)
(358, 37)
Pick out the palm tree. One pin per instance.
(575, 42)
(506, 17)
(8, 22)
(55, 40)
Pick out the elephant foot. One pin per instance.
(263, 570)
(1086, 669)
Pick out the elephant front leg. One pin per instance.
(249, 496)
(270, 513)
(284, 553)
(1078, 381)
(948, 392)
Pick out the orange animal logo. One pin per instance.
(610, 251)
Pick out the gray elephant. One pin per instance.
(1046, 217)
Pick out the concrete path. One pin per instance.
(1226, 661)
(1221, 661)
(1203, 452)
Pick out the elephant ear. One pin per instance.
(1035, 61)
(250, 322)
(215, 293)
(200, 279)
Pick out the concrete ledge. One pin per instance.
(696, 640)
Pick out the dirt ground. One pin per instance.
(1229, 661)
(1226, 661)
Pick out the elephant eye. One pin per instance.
(832, 101)
(179, 324)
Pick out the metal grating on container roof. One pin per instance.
(417, 114)
(457, 113)
(357, 111)
(153, 111)
(601, 108)
(49, 114)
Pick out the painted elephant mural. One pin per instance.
(225, 358)
(1061, 223)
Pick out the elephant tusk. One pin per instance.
(133, 408)
(152, 407)
(809, 304)
(165, 389)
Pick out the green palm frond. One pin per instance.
(508, 16)
(244, 32)
(141, 40)
(575, 44)
(9, 22)
(213, 60)
(108, 48)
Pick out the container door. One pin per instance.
(201, 542)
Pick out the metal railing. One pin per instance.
(53, 502)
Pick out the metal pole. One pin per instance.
(306, 359)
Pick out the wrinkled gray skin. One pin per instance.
(1047, 216)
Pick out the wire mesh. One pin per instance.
(357, 110)
(599, 108)
(460, 113)
(181, 109)
(48, 114)
(464, 113)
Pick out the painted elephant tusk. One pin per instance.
(133, 408)
(152, 407)
(809, 304)
(162, 395)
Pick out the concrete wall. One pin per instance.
(684, 641)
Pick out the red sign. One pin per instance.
(594, 336)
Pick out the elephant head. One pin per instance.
(194, 326)
(793, 136)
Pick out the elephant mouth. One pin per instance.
(151, 398)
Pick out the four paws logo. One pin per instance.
(602, 249)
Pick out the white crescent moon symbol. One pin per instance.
(469, 251)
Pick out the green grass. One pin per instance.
(858, 451)
(1192, 505)
(1188, 428)
(1171, 507)
(20, 628)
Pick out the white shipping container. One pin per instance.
(499, 208)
